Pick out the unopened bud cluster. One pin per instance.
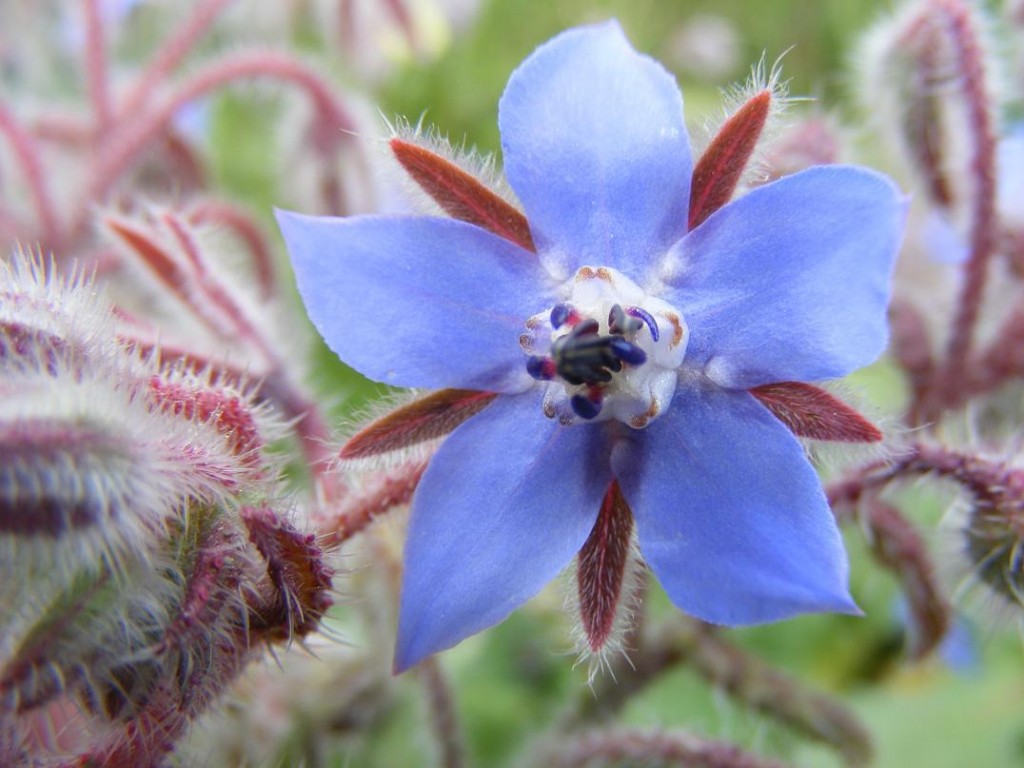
(138, 584)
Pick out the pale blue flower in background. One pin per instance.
(945, 241)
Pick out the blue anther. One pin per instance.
(647, 317)
(541, 368)
(627, 352)
(560, 314)
(584, 407)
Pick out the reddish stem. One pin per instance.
(443, 714)
(983, 222)
(245, 227)
(975, 474)
(897, 546)
(632, 746)
(96, 64)
(172, 53)
(401, 16)
(912, 349)
(121, 149)
(357, 510)
(69, 130)
(26, 154)
(168, 269)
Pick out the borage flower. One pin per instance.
(623, 350)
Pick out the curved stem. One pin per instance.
(121, 149)
(983, 227)
(172, 53)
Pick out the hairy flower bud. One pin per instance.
(49, 323)
(994, 534)
(139, 594)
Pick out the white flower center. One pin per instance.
(610, 351)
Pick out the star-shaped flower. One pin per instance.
(623, 348)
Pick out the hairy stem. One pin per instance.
(26, 155)
(956, 16)
(96, 64)
(443, 717)
(173, 53)
(683, 640)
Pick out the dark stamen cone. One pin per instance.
(430, 417)
(461, 195)
(721, 166)
(812, 412)
(602, 568)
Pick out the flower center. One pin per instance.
(609, 351)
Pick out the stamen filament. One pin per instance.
(647, 318)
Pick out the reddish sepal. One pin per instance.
(430, 417)
(154, 256)
(812, 412)
(602, 567)
(461, 195)
(300, 579)
(226, 412)
(721, 166)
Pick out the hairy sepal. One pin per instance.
(424, 419)
(602, 573)
(812, 412)
(720, 168)
(461, 195)
(299, 579)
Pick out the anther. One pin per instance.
(627, 352)
(587, 406)
(588, 327)
(541, 368)
(646, 317)
(562, 314)
(620, 323)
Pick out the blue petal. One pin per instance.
(417, 301)
(791, 282)
(596, 149)
(731, 516)
(505, 504)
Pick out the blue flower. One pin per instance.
(622, 350)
